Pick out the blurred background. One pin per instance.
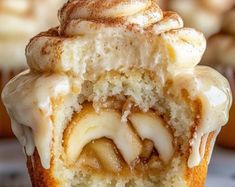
(20, 20)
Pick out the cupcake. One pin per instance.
(114, 97)
(163, 4)
(204, 15)
(20, 20)
(221, 55)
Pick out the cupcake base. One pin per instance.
(194, 177)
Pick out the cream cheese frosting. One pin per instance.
(214, 93)
(139, 35)
(32, 94)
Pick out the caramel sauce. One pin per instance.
(92, 162)
(102, 157)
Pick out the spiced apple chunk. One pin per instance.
(114, 98)
(129, 145)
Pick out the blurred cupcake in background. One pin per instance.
(19, 21)
(220, 54)
(163, 4)
(204, 15)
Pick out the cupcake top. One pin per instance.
(20, 20)
(126, 19)
(204, 15)
(95, 37)
(221, 47)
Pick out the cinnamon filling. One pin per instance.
(101, 157)
(109, 142)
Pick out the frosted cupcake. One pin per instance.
(20, 20)
(114, 97)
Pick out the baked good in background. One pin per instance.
(19, 21)
(114, 97)
(204, 15)
(163, 4)
(220, 54)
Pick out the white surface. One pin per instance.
(13, 171)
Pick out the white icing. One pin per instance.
(203, 145)
(32, 110)
(179, 47)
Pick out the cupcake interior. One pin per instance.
(124, 127)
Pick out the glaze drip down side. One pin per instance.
(98, 37)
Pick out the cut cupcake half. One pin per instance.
(114, 98)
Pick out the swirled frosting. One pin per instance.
(124, 19)
(98, 36)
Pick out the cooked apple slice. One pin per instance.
(88, 125)
(150, 126)
(107, 155)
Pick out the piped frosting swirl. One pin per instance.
(110, 13)
(143, 19)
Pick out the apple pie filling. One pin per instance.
(105, 142)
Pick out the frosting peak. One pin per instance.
(138, 14)
(102, 9)
(133, 22)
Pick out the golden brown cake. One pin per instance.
(19, 21)
(114, 97)
(204, 15)
(221, 55)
